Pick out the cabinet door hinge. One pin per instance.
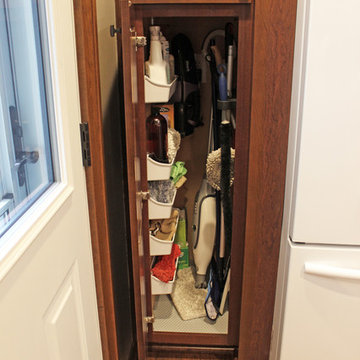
(143, 195)
(140, 41)
(85, 144)
(114, 30)
(150, 319)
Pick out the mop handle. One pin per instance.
(222, 235)
(230, 70)
(217, 55)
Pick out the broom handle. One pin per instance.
(222, 235)
(230, 70)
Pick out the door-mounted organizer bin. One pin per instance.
(158, 93)
(158, 210)
(157, 170)
(162, 247)
(159, 287)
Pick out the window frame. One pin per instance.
(24, 197)
(17, 239)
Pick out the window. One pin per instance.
(26, 166)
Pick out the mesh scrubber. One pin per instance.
(174, 140)
(213, 168)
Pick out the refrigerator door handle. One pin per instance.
(331, 271)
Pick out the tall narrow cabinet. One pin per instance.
(265, 38)
(264, 33)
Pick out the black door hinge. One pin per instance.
(85, 144)
(114, 31)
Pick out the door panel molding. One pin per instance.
(66, 309)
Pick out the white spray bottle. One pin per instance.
(155, 67)
(166, 55)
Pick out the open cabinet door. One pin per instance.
(136, 171)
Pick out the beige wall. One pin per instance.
(107, 49)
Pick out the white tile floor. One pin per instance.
(168, 319)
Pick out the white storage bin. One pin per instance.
(162, 247)
(158, 210)
(157, 170)
(159, 287)
(158, 93)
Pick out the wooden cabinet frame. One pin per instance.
(269, 106)
(244, 13)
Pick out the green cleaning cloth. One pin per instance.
(180, 239)
(178, 170)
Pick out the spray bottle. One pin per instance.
(166, 55)
(155, 67)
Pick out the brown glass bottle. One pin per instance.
(156, 136)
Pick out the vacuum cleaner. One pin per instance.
(206, 217)
(204, 225)
(216, 229)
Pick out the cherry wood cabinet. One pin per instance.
(266, 30)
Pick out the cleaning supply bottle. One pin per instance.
(156, 136)
(155, 67)
(165, 47)
(172, 67)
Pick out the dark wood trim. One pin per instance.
(274, 31)
(190, 2)
(243, 114)
(189, 338)
(90, 101)
(186, 10)
(159, 351)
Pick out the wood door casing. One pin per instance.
(274, 34)
(172, 352)
(244, 15)
(90, 102)
(188, 2)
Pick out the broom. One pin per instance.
(225, 184)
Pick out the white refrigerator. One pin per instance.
(317, 311)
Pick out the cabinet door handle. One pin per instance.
(331, 271)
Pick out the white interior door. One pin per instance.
(48, 306)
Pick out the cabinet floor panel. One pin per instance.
(167, 319)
